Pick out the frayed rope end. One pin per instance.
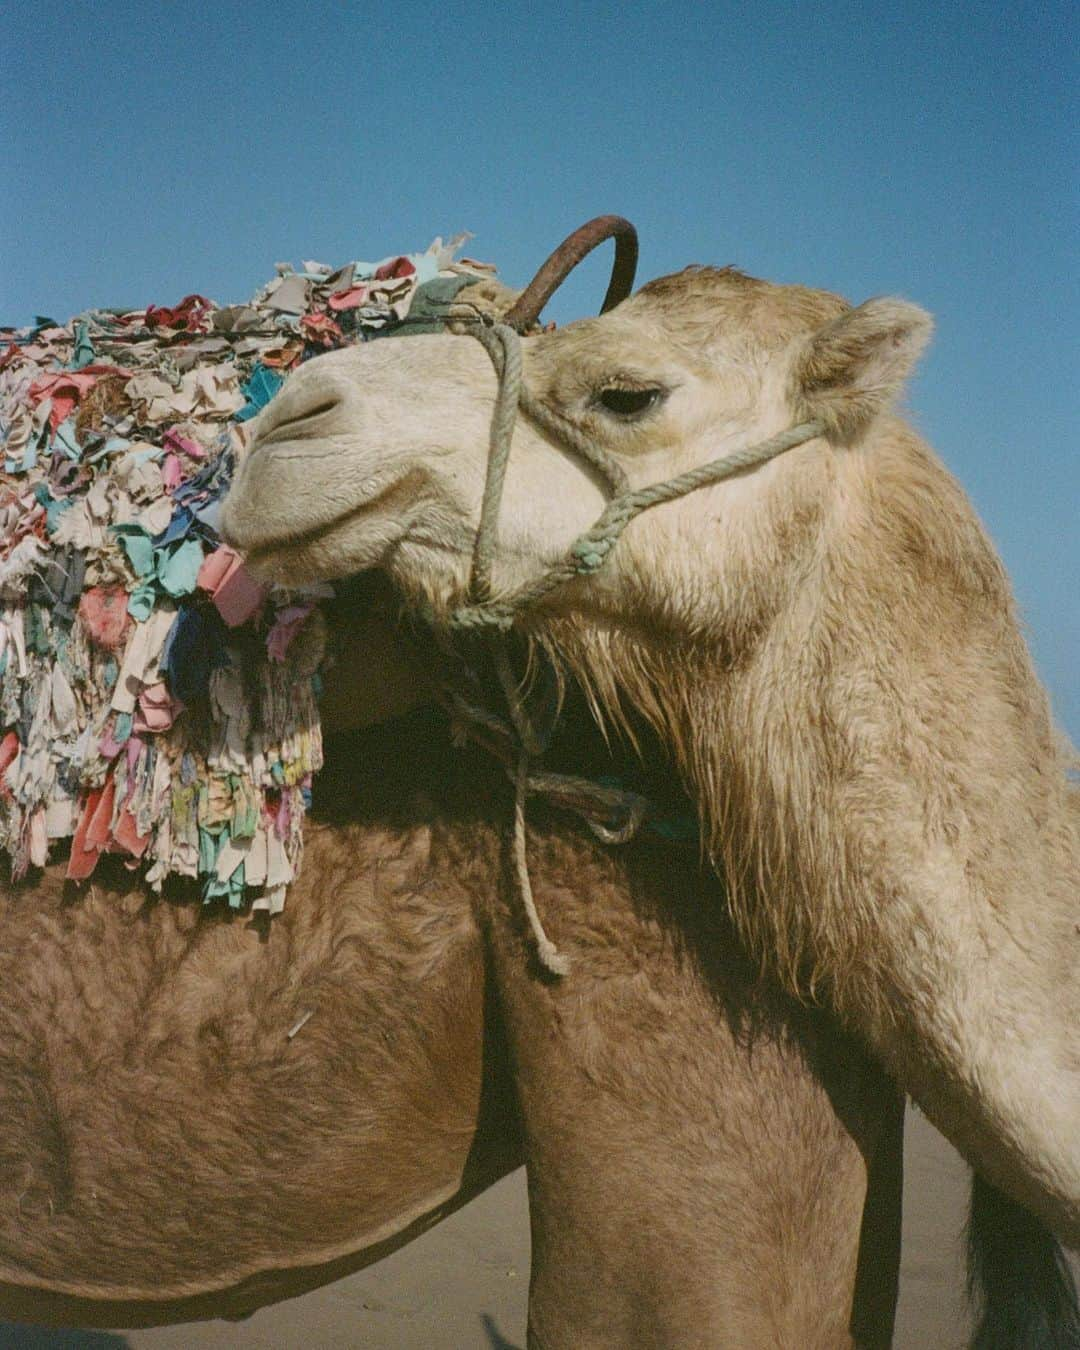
(553, 961)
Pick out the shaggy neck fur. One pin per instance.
(878, 776)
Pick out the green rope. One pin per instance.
(500, 343)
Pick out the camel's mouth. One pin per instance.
(339, 543)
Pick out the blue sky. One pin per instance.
(152, 149)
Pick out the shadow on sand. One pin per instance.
(14, 1336)
(496, 1339)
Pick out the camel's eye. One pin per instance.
(627, 402)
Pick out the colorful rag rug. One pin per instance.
(155, 700)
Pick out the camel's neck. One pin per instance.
(903, 848)
(880, 782)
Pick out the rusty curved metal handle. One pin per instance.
(526, 309)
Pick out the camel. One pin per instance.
(825, 644)
(202, 1113)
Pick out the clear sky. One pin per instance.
(155, 148)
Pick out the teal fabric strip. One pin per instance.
(259, 389)
(83, 353)
(135, 542)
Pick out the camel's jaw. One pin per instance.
(292, 530)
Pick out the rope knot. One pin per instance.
(480, 617)
(591, 553)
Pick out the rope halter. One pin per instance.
(589, 552)
(493, 617)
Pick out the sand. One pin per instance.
(464, 1285)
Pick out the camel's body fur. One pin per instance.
(168, 1152)
(163, 1136)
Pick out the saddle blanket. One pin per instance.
(156, 701)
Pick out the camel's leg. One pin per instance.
(696, 1147)
(1019, 1280)
(877, 1279)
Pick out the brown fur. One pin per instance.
(162, 1134)
(162, 1138)
(660, 1173)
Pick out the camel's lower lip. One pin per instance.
(298, 543)
(267, 484)
(276, 553)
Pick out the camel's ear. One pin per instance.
(851, 370)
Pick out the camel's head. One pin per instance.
(375, 457)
